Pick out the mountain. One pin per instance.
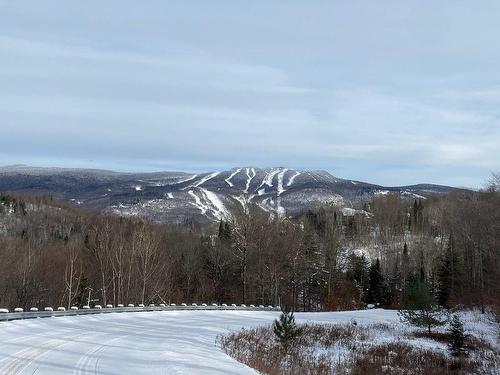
(177, 196)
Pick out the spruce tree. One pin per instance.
(447, 275)
(444, 280)
(285, 329)
(419, 307)
(456, 337)
(376, 287)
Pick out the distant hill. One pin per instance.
(177, 196)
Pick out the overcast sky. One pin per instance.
(389, 92)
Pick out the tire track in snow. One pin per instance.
(89, 362)
(24, 358)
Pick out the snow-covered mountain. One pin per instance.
(177, 196)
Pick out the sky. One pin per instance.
(388, 92)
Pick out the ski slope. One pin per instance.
(168, 342)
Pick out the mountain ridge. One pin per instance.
(209, 196)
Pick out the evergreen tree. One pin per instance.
(394, 282)
(285, 329)
(419, 305)
(358, 273)
(456, 337)
(446, 275)
(444, 281)
(376, 286)
(221, 229)
(224, 231)
(313, 270)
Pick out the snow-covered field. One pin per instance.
(169, 342)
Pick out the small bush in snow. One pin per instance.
(120, 305)
(49, 309)
(204, 304)
(97, 307)
(74, 307)
(86, 307)
(61, 309)
(233, 305)
(109, 306)
(18, 309)
(34, 309)
(214, 305)
(183, 304)
(141, 305)
(4, 311)
(243, 305)
(224, 305)
(130, 305)
(194, 304)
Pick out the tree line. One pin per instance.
(387, 252)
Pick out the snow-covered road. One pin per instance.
(169, 342)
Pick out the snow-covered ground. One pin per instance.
(169, 342)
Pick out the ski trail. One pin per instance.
(218, 208)
(241, 199)
(202, 180)
(290, 181)
(186, 179)
(268, 180)
(198, 203)
(250, 177)
(228, 180)
(206, 178)
(281, 175)
(209, 202)
(312, 176)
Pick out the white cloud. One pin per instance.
(397, 94)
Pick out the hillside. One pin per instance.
(177, 196)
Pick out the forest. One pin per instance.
(56, 254)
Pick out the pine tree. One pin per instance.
(456, 337)
(286, 330)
